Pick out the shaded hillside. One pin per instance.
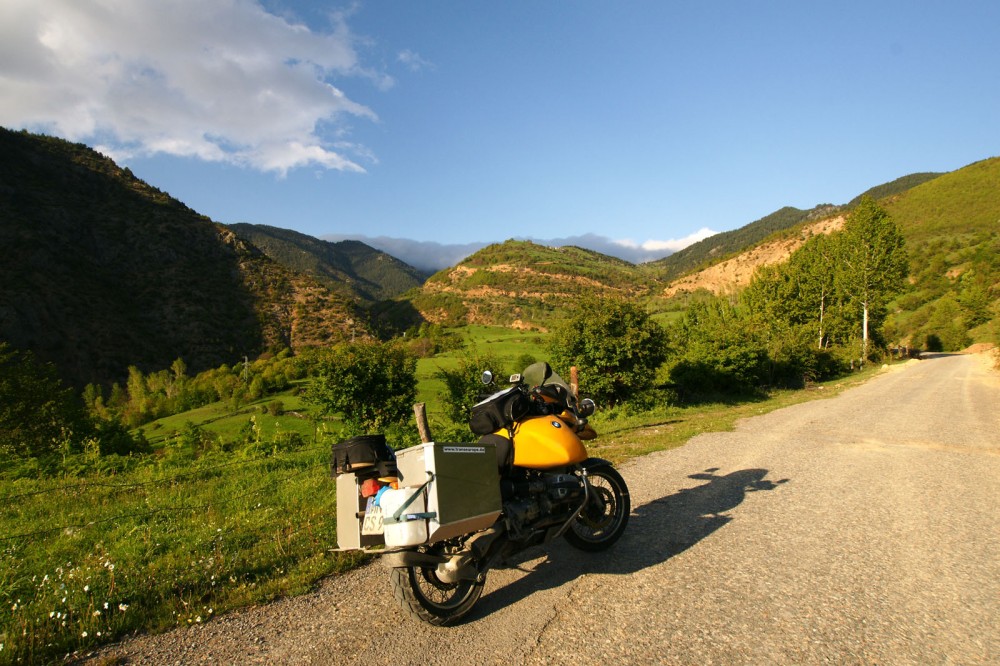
(349, 267)
(103, 271)
(521, 284)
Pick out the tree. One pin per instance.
(372, 384)
(37, 414)
(614, 344)
(873, 263)
(721, 349)
(813, 269)
(463, 385)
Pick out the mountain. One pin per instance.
(427, 257)
(720, 246)
(727, 244)
(950, 225)
(432, 257)
(952, 229)
(522, 284)
(349, 267)
(102, 271)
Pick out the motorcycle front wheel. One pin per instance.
(603, 520)
(426, 597)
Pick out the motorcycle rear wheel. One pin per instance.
(601, 524)
(426, 597)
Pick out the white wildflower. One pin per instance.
(83, 635)
(123, 607)
(86, 588)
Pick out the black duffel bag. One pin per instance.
(500, 410)
(367, 456)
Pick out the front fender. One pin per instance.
(595, 463)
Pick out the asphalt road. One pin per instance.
(861, 529)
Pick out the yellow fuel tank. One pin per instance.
(541, 442)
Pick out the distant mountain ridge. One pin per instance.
(349, 267)
(430, 257)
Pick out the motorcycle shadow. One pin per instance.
(656, 532)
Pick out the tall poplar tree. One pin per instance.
(873, 262)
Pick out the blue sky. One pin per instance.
(461, 122)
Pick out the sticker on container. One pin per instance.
(373, 518)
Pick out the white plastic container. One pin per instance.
(411, 528)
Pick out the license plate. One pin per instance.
(372, 523)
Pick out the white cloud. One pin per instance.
(674, 245)
(218, 80)
(413, 60)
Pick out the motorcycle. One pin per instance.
(442, 515)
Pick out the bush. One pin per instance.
(37, 413)
(372, 384)
(464, 386)
(615, 346)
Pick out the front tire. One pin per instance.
(603, 520)
(424, 596)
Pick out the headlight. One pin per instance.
(586, 408)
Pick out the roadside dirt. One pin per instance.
(860, 529)
(731, 274)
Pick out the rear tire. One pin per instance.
(424, 596)
(601, 523)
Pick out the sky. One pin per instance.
(645, 124)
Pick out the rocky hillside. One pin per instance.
(103, 271)
(523, 285)
(736, 272)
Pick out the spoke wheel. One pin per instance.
(426, 597)
(603, 520)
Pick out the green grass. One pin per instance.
(197, 528)
(224, 421)
(186, 536)
(507, 344)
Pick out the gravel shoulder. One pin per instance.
(857, 529)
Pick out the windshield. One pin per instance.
(542, 374)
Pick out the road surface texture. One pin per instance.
(861, 529)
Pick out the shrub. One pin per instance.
(615, 346)
(372, 384)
